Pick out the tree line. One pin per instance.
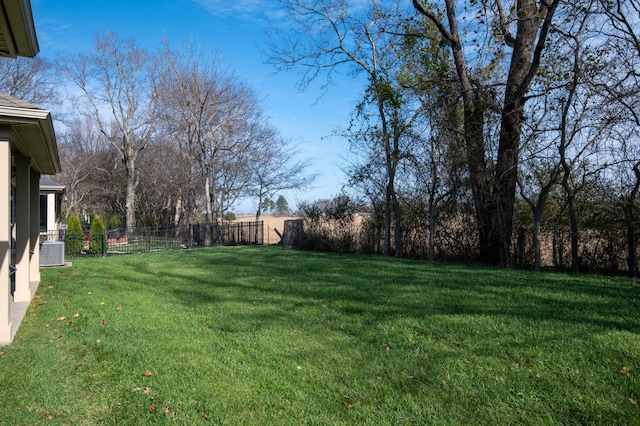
(167, 137)
(491, 130)
(507, 131)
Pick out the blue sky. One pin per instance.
(235, 30)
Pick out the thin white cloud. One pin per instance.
(262, 11)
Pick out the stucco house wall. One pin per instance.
(28, 150)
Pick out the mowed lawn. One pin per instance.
(267, 335)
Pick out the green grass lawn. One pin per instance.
(266, 335)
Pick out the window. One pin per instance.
(43, 213)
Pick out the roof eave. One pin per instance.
(49, 139)
(39, 120)
(18, 29)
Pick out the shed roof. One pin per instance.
(48, 184)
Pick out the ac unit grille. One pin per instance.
(52, 253)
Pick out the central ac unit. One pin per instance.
(52, 253)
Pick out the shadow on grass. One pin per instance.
(380, 289)
(373, 335)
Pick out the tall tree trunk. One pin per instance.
(505, 182)
(494, 204)
(177, 216)
(528, 44)
(398, 246)
(537, 220)
(575, 233)
(432, 226)
(630, 217)
(130, 196)
(386, 249)
(475, 147)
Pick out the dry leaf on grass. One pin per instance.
(52, 415)
(148, 373)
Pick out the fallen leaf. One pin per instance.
(89, 294)
(511, 390)
(148, 373)
(625, 370)
(76, 315)
(98, 341)
(77, 329)
(119, 308)
(52, 415)
(167, 410)
(102, 303)
(633, 401)
(103, 322)
(61, 318)
(146, 391)
(152, 409)
(2, 353)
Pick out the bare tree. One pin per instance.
(30, 79)
(160, 174)
(332, 34)
(118, 82)
(218, 125)
(82, 149)
(275, 169)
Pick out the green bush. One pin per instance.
(114, 222)
(74, 239)
(98, 236)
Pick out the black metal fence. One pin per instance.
(150, 239)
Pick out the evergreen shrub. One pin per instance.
(98, 236)
(74, 238)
